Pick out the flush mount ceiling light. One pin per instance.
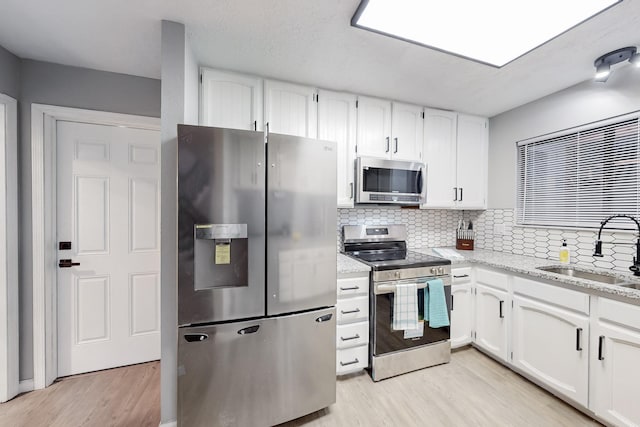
(494, 32)
(604, 63)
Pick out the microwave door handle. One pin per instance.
(421, 185)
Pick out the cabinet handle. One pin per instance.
(460, 194)
(255, 125)
(357, 310)
(579, 339)
(351, 185)
(396, 140)
(350, 288)
(461, 276)
(353, 362)
(387, 138)
(249, 330)
(455, 194)
(451, 302)
(600, 347)
(355, 337)
(501, 313)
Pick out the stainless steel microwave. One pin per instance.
(383, 181)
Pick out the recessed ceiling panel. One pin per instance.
(494, 32)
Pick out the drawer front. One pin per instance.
(352, 359)
(567, 298)
(353, 309)
(352, 335)
(353, 286)
(461, 275)
(492, 278)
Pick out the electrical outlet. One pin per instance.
(498, 229)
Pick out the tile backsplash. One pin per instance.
(496, 230)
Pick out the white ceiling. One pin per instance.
(306, 41)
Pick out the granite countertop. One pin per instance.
(349, 265)
(527, 265)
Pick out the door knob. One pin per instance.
(67, 263)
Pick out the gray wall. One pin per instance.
(54, 84)
(581, 104)
(179, 105)
(9, 73)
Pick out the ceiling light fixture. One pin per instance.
(492, 32)
(603, 64)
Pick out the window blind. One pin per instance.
(577, 179)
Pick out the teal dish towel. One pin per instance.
(435, 304)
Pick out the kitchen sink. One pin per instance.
(582, 274)
(631, 285)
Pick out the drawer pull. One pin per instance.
(351, 288)
(460, 276)
(600, 344)
(357, 310)
(579, 339)
(355, 337)
(353, 362)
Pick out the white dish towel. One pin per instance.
(405, 307)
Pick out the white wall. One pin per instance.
(179, 104)
(580, 104)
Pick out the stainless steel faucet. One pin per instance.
(636, 259)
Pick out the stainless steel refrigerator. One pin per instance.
(256, 277)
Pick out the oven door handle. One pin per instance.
(389, 288)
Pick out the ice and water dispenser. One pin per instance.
(221, 258)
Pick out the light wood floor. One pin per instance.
(472, 390)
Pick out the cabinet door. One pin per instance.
(614, 376)
(472, 155)
(551, 344)
(461, 315)
(491, 320)
(290, 109)
(407, 132)
(230, 100)
(440, 158)
(337, 122)
(374, 127)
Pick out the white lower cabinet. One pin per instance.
(550, 333)
(615, 355)
(461, 307)
(352, 330)
(492, 312)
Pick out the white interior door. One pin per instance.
(108, 208)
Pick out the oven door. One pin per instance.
(386, 340)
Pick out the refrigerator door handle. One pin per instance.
(195, 337)
(324, 318)
(249, 330)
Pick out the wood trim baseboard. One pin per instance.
(43, 202)
(25, 386)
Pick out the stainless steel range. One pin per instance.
(384, 249)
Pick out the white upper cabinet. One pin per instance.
(406, 131)
(337, 122)
(456, 154)
(290, 109)
(440, 157)
(472, 161)
(374, 127)
(230, 100)
(389, 130)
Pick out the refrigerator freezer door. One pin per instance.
(256, 373)
(301, 224)
(221, 224)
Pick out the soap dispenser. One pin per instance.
(565, 255)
